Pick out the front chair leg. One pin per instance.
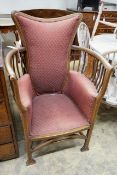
(30, 160)
(87, 140)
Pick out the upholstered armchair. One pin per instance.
(55, 103)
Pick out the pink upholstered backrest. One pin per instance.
(48, 43)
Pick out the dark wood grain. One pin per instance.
(7, 133)
(4, 120)
(7, 151)
(89, 18)
(47, 13)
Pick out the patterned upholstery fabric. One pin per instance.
(48, 43)
(55, 113)
(82, 91)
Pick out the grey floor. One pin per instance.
(65, 158)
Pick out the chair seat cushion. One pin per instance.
(55, 113)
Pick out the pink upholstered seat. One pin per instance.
(55, 113)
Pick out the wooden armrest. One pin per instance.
(101, 69)
(9, 60)
(109, 23)
(9, 63)
(94, 54)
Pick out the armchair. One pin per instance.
(55, 103)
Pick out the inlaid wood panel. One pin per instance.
(5, 135)
(8, 144)
(7, 151)
(3, 114)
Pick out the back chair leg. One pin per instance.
(87, 140)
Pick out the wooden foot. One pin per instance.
(84, 148)
(30, 162)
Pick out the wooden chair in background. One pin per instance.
(111, 93)
(106, 45)
(103, 21)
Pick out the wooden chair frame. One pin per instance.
(16, 67)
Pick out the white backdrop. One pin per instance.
(6, 6)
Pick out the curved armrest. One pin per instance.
(26, 93)
(21, 84)
(97, 56)
(25, 90)
(82, 91)
(98, 73)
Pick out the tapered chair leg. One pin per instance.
(30, 160)
(87, 140)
